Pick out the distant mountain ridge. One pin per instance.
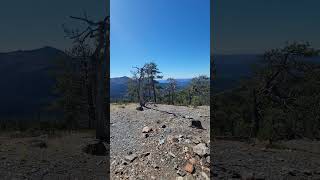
(27, 85)
(232, 68)
(119, 86)
(229, 70)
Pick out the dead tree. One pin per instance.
(140, 89)
(100, 59)
(172, 83)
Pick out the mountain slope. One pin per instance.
(231, 68)
(26, 83)
(119, 86)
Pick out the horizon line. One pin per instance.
(164, 78)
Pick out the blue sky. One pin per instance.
(37, 23)
(253, 26)
(175, 34)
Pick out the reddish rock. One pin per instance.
(189, 168)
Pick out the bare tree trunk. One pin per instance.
(256, 120)
(149, 90)
(190, 97)
(141, 101)
(100, 131)
(172, 97)
(106, 75)
(101, 70)
(138, 92)
(154, 92)
(102, 66)
(92, 95)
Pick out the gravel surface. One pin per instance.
(166, 151)
(157, 156)
(236, 160)
(46, 158)
(157, 143)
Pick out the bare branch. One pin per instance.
(91, 23)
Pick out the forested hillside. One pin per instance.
(280, 101)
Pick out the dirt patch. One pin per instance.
(240, 160)
(62, 159)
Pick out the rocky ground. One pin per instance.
(296, 160)
(174, 150)
(57, 157)
(158, 143)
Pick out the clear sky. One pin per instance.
(31, 24)
(175, 34)
(252, 26)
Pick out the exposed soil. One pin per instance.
(296, 160)
(58, 157)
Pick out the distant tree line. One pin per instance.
(281, 101)
(144, 87)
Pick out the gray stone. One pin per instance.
(201, 149)
(181, 173)
(130, 158)
(161, 141)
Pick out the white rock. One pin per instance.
(201, 149)
(146, 129)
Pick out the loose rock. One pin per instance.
(181, 173)
(161, 141)
(172, 139)
(201, 149)
(130, 158)
(146, 129)
(189, 168)
(196, 124)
